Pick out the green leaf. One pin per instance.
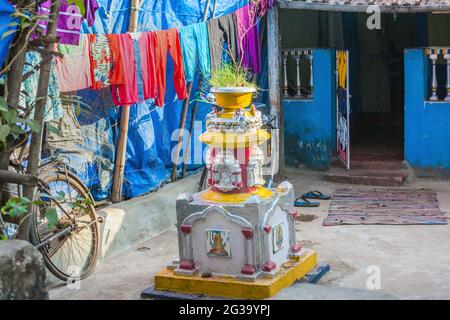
(4, 132)
(3, 104)
(9, 116)
(52, 217)
(7, 33)
(15, 206)
(4, 237)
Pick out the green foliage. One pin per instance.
(230, 75)
(10, 121)
(52, 217)
(15, 206)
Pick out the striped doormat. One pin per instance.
(389, 206)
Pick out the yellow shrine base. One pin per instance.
(219, 197)
(229, 287)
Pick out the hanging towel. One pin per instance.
(147, 51)
(126, 94)
(106, 60)
(73, 71)
(248, 38)
(168, 40)
(194, 41)
(220, 31)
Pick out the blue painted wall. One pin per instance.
(427, 133)
(310, 125)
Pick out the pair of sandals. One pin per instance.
(304, 202)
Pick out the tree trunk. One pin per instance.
(39, 113)
(14, 78)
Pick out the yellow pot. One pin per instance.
(233, 98)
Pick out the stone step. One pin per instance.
(370, 164)
(368, 177)
(376, 165)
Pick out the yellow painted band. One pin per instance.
(234, 140)
(213, 196)
(228, 287)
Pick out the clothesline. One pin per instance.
(133, 65)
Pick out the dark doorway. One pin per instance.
(377, 123)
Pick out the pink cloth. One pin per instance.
(147, 49)
(126, 94)
(73, 70)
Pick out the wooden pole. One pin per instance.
(181, 132)
(34, 157)
(274, 49)
(187, 152)
(182, 124)
(124, 122)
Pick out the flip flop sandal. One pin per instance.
(305, 203)
(316, 195)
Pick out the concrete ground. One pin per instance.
(413, 261)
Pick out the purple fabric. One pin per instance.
(69, 22)
(91, 6)
(248, 38)
(247, 25)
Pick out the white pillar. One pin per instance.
(434, 84)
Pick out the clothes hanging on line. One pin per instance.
(248, 35)
(106, 60)
(169, 41)
(222, 31)
(91, 6)
(73, 71)
(138, 64)
(147, 52)
(195, 44)
(134, 65)
(126, 94)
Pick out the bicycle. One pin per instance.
(69, 246)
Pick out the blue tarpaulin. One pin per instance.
(6, 26)
(150, 135)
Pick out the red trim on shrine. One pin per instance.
(248, 233)
(187, 265)
(269, 266)
(248, 269)
(186, 228)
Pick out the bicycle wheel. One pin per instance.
(71, 247)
